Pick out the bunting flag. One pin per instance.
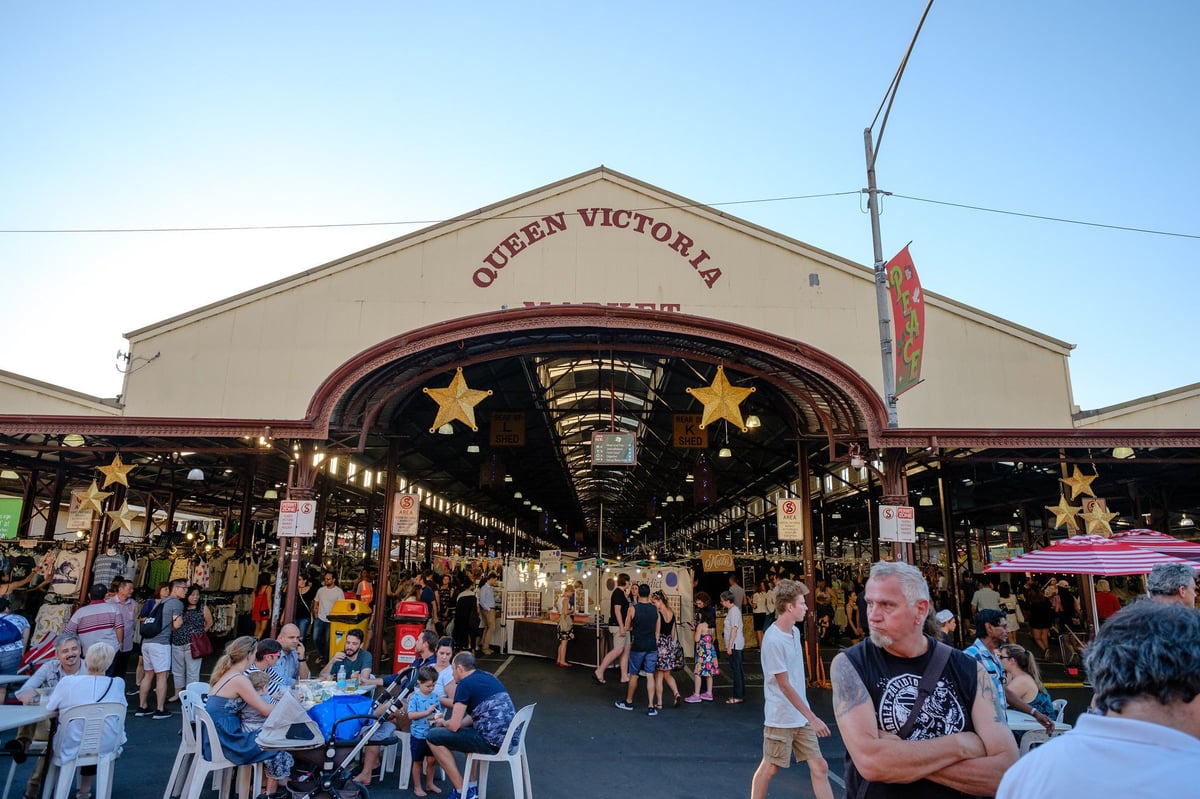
(908, 319)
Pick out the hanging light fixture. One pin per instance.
(724, 452)
(1124, 453)
(472, 448)
(9, 474)
(1186, 521)
(73, 440)
(270, 493)
(195, 475)
(926, 502)
(446, 430)
(753, 421)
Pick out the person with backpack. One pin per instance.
(156, 649)
(14, 636)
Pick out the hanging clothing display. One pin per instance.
(68, 572)
(107, 567)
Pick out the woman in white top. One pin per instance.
(89, 689)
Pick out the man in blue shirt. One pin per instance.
(487, 607)
(478, 723)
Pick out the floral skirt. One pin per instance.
(667, 660)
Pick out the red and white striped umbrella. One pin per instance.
(1159, 542)
(1088, 554)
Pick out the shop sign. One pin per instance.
(997, 554)
(297, 518)
(717, 560)
(789, 520)
(77, 517)
(908, 319)
(687, 431)
(406, 513)
(10, 517)
(614, 449)
(898, 523)
(507, 430)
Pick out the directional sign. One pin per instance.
(789, 520)
(507, 430)
(687, 433)
(614, 449)
(297, 518)
(898, 523)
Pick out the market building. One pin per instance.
(472, 362)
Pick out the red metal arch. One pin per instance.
(856, 391)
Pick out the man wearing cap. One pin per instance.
(1172, 583)
(1143, 736)
(946, 620)
(992, 628)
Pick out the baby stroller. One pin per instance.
(324, 768)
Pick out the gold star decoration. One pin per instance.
(116, 472)
(456, 401)
(721, 400)
(1097, 519)
(123, 516)
(1080, 483)
(1064, 513)
(92, 498)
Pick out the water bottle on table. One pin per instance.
(341, 678)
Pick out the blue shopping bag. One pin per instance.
(332, 710)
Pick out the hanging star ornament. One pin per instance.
(1064, 513)
(123, 516)
(721, 400)
(1097, 520)
(456, 401)
(116, 472)
(92, 498)
(1080, 483)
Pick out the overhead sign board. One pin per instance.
(614, 449)
(297, 518)
(717, 560)
(10, 516)
(789, 520)
(507, 430)
(686, 433)
(406, 513)
(898, 523)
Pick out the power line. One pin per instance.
(790, 198)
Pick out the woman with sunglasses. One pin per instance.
(1024, 679)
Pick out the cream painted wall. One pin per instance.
(24, 395)
(1174, 410)
(262, 354)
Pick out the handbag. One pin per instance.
(201, 645)
(679, 656)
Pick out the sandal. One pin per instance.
(658, 706)
(676, 702)
(733, 701)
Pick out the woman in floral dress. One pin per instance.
(706, 648)
(667, 653)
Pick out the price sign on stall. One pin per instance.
(297, 518)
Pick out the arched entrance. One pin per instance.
(570, 370)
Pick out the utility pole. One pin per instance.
(882, 297)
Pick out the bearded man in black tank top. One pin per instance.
(956, 746)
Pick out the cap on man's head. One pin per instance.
(944, 616)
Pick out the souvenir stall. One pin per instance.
(533, 588)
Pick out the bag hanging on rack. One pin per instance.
(201, 645)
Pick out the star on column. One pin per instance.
(456, 401)
(1064, 513)
(116, 472)
(1097, 519)
(721, 400)
(1080, 483)
(123, 516)
(92, 498)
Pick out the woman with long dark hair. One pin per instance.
(196, 619)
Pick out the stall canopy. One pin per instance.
(1159, 542)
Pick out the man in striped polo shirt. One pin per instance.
(97, 621)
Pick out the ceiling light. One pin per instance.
(517, 495)
(73, 440)
(753, 421)
(1186, 522)
(508, 478)
(724, 452)
(195, 475)
(9, 474)
(835, 515)
(472, 448)
(679, 497)
(926, 502)
(689, 478)
(446, 430)
(1124, 453)
(270, 493)
(857, 462)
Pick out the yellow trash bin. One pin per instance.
(346, 615)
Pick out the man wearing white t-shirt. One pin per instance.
(327, 594)
(790, 727)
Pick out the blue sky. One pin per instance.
(142, 115)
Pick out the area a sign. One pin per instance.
(789, 520)
(297, 517)
(406, 513)
(897, 523)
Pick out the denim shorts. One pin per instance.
(643, 662)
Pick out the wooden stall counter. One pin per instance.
(539, 637)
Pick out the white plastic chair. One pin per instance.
(200, 691)
(35, 749)
(388, 761)
(513, 754)
(91, 752)
(188, 747)
(249, 776)
(1060, 707)
(1031, 740)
